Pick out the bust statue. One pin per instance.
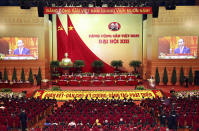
(66, 61)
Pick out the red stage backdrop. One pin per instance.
(76, 48)
(105, 37)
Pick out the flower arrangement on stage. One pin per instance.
(6, 90)
(56, 88)
(141, 87)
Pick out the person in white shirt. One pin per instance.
(72, 124)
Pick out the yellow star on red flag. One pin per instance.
(60, 28)
(70, 27)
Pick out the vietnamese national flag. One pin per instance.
(77, 50)
(61, 40)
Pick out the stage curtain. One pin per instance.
(77, 50)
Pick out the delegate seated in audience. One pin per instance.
(97, 123)
(72, 124)
(130, 79)
(88, 124)
(106, 123)
(79, 123)
(46, 124)
(121, 122)
(112, 123)
(54, 123)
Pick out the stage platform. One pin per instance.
(165, 89)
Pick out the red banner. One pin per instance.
(98, 10)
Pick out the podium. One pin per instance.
(65, 69)
(44, 84)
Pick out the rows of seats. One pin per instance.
(112, 114)
(88, 111)
(146, 116)
(186, 110)
(35, 109)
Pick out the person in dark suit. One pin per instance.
(21, 50)
(172, 120)
(163, 118)
(1, 76)
(181, 48)
(23, 119)
(186, 82)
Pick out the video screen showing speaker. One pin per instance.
(18, 48)
(178, 47)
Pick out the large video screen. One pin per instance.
(18, 48)
(178, 47)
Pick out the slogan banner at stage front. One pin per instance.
(97, 10)
(70, 95)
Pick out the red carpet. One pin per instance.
(165, 89)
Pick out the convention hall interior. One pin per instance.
(78, 65)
